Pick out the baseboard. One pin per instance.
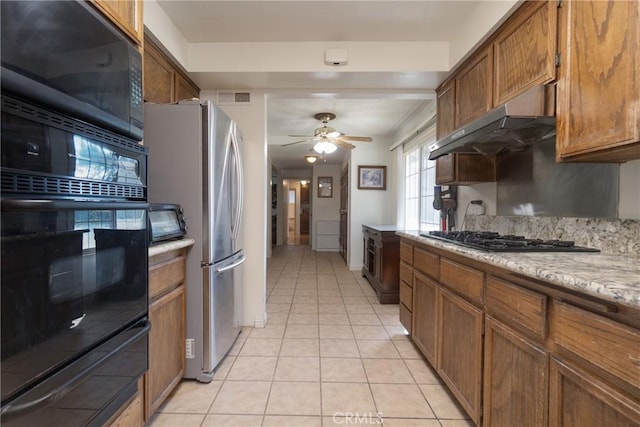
(260, 322)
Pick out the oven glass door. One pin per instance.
(74, 275)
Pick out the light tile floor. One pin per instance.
(329, 355)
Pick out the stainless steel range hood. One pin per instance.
(519, 123)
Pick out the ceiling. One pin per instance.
(365, 103)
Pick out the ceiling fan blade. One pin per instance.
(337, 141)
(298, 142)
(302, 136)
(355, 138)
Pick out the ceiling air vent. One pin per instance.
(233, 98)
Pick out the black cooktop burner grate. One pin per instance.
(495, 242)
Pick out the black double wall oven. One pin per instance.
(74, 242)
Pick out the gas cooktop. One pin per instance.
(495, 242)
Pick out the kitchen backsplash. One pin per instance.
(530, 182)
(612, 236)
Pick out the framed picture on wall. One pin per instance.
(325, 186)
(372, 177)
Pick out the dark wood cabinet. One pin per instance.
(524, 50)
(464, 169)
(446, 107)
(460, 350)
(598, 90)
(473, 88)
(578, 399)
(516, 378)
(164, 81)
(520, 352)
(425, 317)
(381, 262)
(406, 287)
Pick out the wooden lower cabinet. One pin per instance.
(425, 317)
(515, 378)
(166, 348)
(460, 351)
(518, 352)
(579, 399)
(167, 335)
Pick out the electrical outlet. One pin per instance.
(189, 350)
(476, 207)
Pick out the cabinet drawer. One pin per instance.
(607, 344)
(406, 295)
(517, 307)
(426, 262)
(406, 273)
(165, 276)
(466, 281)
(406, 252)
(405, 317)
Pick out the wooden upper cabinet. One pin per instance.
(598, 91)
(127, 15)
(446, 107)
(158, 76)
(465, 169)
(164, 81)
(185, 89)
(473, 88)
(525, 50)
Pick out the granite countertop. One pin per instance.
(613, 277)
(170, 246)
(381, 227)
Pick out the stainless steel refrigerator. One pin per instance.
(195, 161)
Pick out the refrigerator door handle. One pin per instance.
(239, 180)
(231, 266)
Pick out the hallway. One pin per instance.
(329, 355)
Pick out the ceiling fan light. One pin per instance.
(334, 134)
(311, 159)
(324, 147)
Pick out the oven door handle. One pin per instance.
(49, 205)
(12, 410)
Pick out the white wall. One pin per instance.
(322, 208)
(165, 31)
(251, 119)
(370, 207)
(488, 15)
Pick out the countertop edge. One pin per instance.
(626, 292)
(170, 246)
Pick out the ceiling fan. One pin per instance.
(327, 135)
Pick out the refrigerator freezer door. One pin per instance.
(219, 330)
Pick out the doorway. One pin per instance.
(298, 212)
